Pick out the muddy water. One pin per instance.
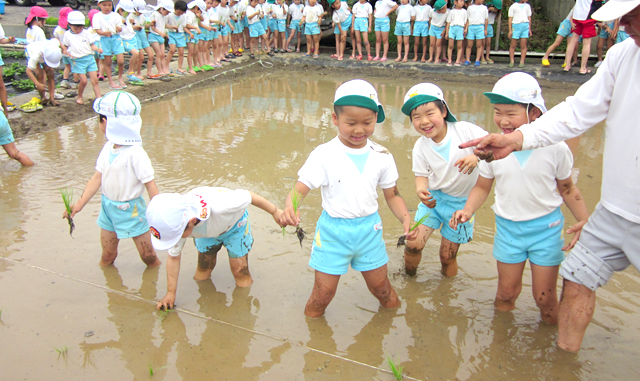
(255, 135)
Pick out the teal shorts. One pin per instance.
(193, 40)
(295, 25)
(273, 25)
(178, 39)
(440, 216)
(66, 60)
(224, 30)
(128, 219)
(84, 65)
(476, 32)
(282, 25)
(490, 31)
(603, 32)
(381, 24)
(256, 29)
(361, 25)
(155, 38)
(238, 240)
(311, 28)
(456, 32)
(421, 29)
(111, 46)
(436, 31)
(539, 239)
(1, 62)
(565, 29)
(402, 29)
(340, 242)
(214, 33)
(143, 41)
(344, 25)
(520, 31)
(129, 45)
(6, 135)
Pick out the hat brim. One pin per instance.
(613, 10)
(128, 128)
(499, 99)
(361, 101)
(421, 99)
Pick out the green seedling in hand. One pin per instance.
(418, 223)
(296, 199)
(395, 369)
(67, 197)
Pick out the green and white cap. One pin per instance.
(424, 93)
(122, 110)
(359, 93)
(515, 88)
(439, 4)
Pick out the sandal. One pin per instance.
(10, 106)
(334, 56)
(359, 58)
(252, 56)
(32, 106)
(545, 63)
(369, 58)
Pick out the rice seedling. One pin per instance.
(163, 314)
(62, 352)
(296, 200)
(418, 223)
(23, 85)
(67, 198)
(150, 370)
(395, 369)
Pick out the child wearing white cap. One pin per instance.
(108, 25)
(48, 54)
(348, 170)
(444, 174)
(81, 48)
(214, 217)
(124, 171)
(530, 188)
(157, 34)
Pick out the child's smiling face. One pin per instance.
(355, 125)
(509, 117)
(429, 121)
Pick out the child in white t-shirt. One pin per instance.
(519, 22)
(477, 25)
(311, 18)
(295, 15)
(404, 20)
(138, 23)
(530, 188)
(193, 30)
(129, 39)
(349, 169)
(342, 22)
(382, 27)
(363, 18)
(421, 28)
(44, 56)
(35, 23)
(437, 30)
(214, 217)
(108, 25)
(58, 33)
(123, 171)
(80, 48)
(444, 174)
(176, 22)
(456, 30)
(158, 34)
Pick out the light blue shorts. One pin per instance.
(361, 25)
(215, 33)
(178, 39)
(111, 46)
(490, 31)
(340, 242)
(441, 215)
(237, 27)
(520, 31)
(265, 23)
(456, 32)
(402, 29)
(436, 31)
(224, 30)
(84, 65)
(311, 28)
(152, 37)
(622, 35)
(421, 29)
(193, 40)
(344, 25)
(475, 32)
(295, 25)
(129, 45)
(65, 60)
(256, 29)
(565, 29)
(1, 61)
(128, 219)
(273, 25)
(539, 239)
(381, 24)
(6, 135)
(238, 240)
(603, 32)
(282, 25)
(204, 36)
(245, 22)
(143, 41)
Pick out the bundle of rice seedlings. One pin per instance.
(67, 198)
(418, 223)
(296, 199)
(395, 369)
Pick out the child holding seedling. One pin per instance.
(444, 174)
(437, 32)
(81, 50)
(108, 25)
(123, 171)
(530, 188)
(214, 217)
(348, 169)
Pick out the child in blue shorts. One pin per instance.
(129, 39)
(363, 18)
(214, 217)
(406, 16)
(519, 22)
(421, 29)
(444, 174)
(383, 9)
(176, 21)
(295, 15)
(348, 170)
(530, 188)
(58, 32)
(311, 18)
(138, 21)
(81, 48)
(437, 30)
(564, 31)
(8, 143)
(342, 20)
(256, 29)
(123, 171)
(456, 30)
(606, 34)
(108, 25)
(477, 25)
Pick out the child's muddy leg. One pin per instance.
(109, 241)
(146, 251)
(240, 271)
(324, 289)
(509, 285)
(379, 285)
(413, 250)
(544, 280)
(448, 255)
(207, 262)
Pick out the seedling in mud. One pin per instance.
(150, 370)
(163, 313)
(395, 369)
(67, 198)
(296, 200)
(418, 223)
(23, 85)
(62, 352)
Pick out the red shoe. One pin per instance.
(359, 58)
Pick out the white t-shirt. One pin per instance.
(362, 10)
(520, 13)
(108, 22)
(296, 11)
(250, 11)
(457, 17)
(79, 45)
(312, 14)
(35, 33)
(423, 12)
(123, 179)
(191, 19)
(405, 12)
(58, 32)
(160, 22)
(226, 207)
(439, 19)
(581, 10)
(492, 18)
(94, 36)
(436, 160)
(127, 32)
(213, 16)
(35, 51)
(348, 178)
(2, 32)
(223, 14)
(280, 11)
(383, 7)
(341, 15)
(174, 20)
(477, 14)
(527, 188)
(137, 20)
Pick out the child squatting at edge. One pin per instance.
(348, 169)
(530, 187)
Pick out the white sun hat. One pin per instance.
(517, 87)
(198, 3)
(168, 215)
(122, 110)
(126, 5)
(76, 18)
(166, 4)
(52, 53)
(359, 93)
(614, 9)
(424, 93)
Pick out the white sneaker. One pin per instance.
(598, 64)
(65, 84)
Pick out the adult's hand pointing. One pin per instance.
(495, 146)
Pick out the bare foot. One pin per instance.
(428, 61)
(436, 61)
(398, 59)
(405, 60)
(79, 101)
(415, 59)
(192, 72)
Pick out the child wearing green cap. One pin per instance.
(530, 188)
(444, 174)
(348, 170)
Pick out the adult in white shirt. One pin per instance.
(610, 241)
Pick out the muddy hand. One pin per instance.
(575, 230)
(411, 236)
(458, 217)
(426, 198)
(467, 164)
(497, 145)
(166, 303)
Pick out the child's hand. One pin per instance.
(289, 217)
(191, 35)
(277, 217)
(166, 303)
(199, 30)
(411, 236)
(426, 198)
(467, 164)
(107, 34)
(577, 229)
(100, 51)
(459, 217)
(11, 39)
(75, 208)
(118, 29)
(511, 32)
(40, 87)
